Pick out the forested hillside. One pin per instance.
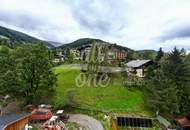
(11, 37)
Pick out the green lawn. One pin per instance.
(113, 98)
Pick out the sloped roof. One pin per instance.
(137, 63)
(183, 121)
(5, 120)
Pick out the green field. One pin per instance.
(113, 98)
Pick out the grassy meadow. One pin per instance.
(113, 98)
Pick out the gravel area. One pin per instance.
(85, 121)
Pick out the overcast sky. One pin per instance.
(138, 24)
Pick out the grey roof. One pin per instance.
(5, 120)
(163, 121)
(137, 63)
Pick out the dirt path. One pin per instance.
(85, 121)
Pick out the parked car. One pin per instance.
(54, 123)
(62, 115)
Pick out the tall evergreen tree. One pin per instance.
(161, 93)
(185, 97)
(175, 73)
(159, 55)
(178, 70)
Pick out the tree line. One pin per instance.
(26, 72)
(167, 84)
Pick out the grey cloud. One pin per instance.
(21, 19)
(97, 16)
(171, 47)
(32, 24)
(96, 26)
(176, 33)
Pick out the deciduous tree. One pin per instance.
(26, 70)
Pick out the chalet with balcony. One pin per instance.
(138, 67)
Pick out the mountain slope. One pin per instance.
(86, 41)
(146, 50)
(80, 42)
(11, 37)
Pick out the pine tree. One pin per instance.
(185, 97)
(159, 55)
(160, 93)
(168, 82)
(178, 70)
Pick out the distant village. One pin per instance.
(81, 53)
(115, 57)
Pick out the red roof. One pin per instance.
(183, 121)
(41, 114)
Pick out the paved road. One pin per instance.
(85, 121)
